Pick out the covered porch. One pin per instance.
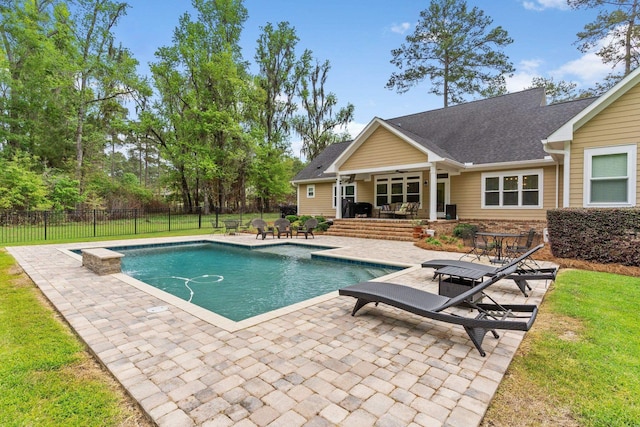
(407, 193)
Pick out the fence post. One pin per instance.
(45, 224)
(94, 222)
(169, 219)
(199, 217)
(135, 221)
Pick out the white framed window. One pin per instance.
(348, 192)
(514, 189)
(311, 191)
(610, 176)
(399, 188)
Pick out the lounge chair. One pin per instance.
(522, 273)
(283, 226)
(307, 228)
(489, 318)
(262, 228)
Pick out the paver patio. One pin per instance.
(310, 365)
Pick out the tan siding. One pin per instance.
(382, 149)
(618, 124)
(466, 194)
(320, 204)
(365, 191)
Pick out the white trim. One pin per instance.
(342, 188)
(631, 151)
(565, 132)
(447, 195)
(388, 169)
(404, 177)
(503, 165)
(311, 187)
(519, 173)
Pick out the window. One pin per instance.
(609, 176)
(398, 189)
(311, 191)
(348, 192)
(521, 189)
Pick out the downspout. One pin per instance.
(565, 153)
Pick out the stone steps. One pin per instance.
(386, 229)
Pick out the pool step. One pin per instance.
(373, 228)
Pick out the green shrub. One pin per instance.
(323, 225)
(292, 218)
(459, 230)
(433, 241)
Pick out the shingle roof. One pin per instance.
(502, 129)
(315, 169)
(505, 128)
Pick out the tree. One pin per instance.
(556, 91)
(455, 49)
(37, 80)
(105, 72)
(205, 93)
(279, 77)
(318, 126)
(20, 187)
(616, 31)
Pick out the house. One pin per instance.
(502, 158)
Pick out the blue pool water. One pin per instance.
(239, 283)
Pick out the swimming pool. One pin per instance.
(238, 282)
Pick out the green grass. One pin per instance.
(46, 377)
(586, 357)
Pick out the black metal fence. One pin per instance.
(34, 226)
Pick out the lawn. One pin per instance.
(579, 364)
(47, 378)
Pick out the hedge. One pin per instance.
(608, 236)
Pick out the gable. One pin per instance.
(618, 123)
(383, 149)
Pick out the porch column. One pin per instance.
(338, 198)
(433, 193)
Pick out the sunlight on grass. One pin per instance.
(40, 363)
(582, 354)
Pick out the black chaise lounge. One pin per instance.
(489, 318)
(523, 271)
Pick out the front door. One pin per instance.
(442, 196)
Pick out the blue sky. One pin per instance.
(357, 37)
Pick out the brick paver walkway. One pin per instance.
(315, 365)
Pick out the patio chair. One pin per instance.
(262, 228)
(523, 273)
(520, 245)
(283, 226)
(307, 228)
(489, 318)
(231, 226)
(478, 247)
